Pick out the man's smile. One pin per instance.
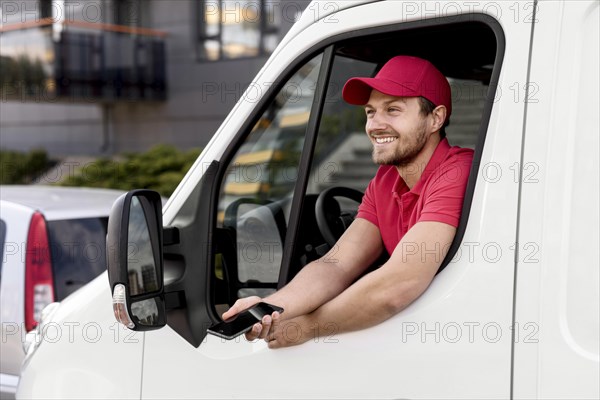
(384, 139)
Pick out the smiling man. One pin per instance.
(411, 209)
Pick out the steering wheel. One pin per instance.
(332, 222)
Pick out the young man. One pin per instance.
(411, 209)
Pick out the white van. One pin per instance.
(514, 312)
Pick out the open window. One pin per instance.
(263, 198)
(468, 53)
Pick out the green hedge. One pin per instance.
(161, 169)
(22, 168)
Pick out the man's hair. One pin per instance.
(427, 108)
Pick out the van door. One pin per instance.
(558, 294)
(455, 340)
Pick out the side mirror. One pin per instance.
(134, 248)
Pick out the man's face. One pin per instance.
(396, 128)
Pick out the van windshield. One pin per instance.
(78, 249)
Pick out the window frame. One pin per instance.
(202, 36)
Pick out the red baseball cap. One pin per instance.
(402, 76)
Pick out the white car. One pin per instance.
(52, 242)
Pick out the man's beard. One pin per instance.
(402, 155)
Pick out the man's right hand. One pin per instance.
(261, 329)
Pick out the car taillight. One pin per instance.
(39, 284)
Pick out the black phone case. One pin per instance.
(245, 319)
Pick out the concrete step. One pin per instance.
(465, 118)
(363, 153)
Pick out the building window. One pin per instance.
(128, 12)
(237, 29)
(45, 9)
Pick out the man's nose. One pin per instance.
(375, 124)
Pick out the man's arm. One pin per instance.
(323, 279)
(382, 293)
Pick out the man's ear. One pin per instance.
(439, 116)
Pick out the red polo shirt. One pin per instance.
(437, 195)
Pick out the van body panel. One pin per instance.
(85, 352)
(558, 275)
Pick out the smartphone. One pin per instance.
(243, 321)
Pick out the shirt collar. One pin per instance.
(438, 156)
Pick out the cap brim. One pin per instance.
(357, 91)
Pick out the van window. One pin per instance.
(255, 196)
(342, 155)
(78, 253)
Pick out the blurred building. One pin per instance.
(92, 77)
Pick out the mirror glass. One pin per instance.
(146, 311)
(141, 266)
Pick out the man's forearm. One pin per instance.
(386, 291)
(324, 279)
(370, 301)
(373, 299)
(378, 295)
(316, 284)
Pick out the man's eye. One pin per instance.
(393, 109)
(369, 112)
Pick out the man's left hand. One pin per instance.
(289, 333)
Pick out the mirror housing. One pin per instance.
(134, 249)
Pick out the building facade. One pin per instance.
(101, 77)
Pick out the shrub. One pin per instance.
(161, 168)
(22, 168)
